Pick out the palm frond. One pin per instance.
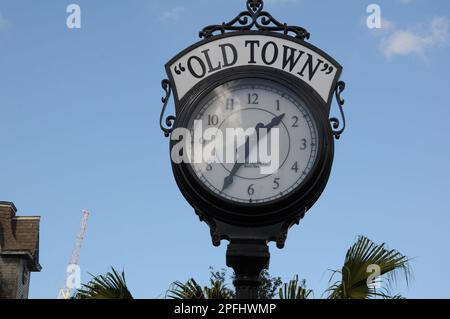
(188, 290)
(110, 286)
(295, 290)
(360, 256)
(218, 290)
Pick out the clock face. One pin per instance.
(254, 103)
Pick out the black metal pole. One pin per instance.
(248, 258)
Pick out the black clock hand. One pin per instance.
(275, 122)
(228, 180)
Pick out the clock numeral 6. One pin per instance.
(251, 190)
(253, 98)
(213, 119)
(209, 167)
(276, 183)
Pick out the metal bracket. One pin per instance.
(223, 231)
(337, 132)
(170, 120)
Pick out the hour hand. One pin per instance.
(227, 182)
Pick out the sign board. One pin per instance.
(297, 58)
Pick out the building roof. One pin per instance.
(19, 235)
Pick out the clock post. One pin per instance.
(260, 79)
(247, 258)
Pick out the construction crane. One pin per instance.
(73, 268)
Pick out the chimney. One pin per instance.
(7, 213)
(7, 210)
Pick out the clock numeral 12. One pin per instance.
(253, 98)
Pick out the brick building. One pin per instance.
(19, 251)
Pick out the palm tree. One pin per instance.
(362, 257)
(110, 286)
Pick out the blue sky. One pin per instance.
(79, 113)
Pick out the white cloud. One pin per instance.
(172, 14)
(387, 25)
(416, 40)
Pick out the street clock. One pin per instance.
(258, 76)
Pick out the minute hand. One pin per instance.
(275, 122)
(228, 180)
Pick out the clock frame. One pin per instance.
(290, 207)
(227, 53)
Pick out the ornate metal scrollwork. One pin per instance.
(255, 17)
(170, 120)
(337, 132)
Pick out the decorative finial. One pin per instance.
(255, 18)
(255, 5)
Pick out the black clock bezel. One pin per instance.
(281, 209)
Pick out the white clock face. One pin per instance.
(246, 104)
